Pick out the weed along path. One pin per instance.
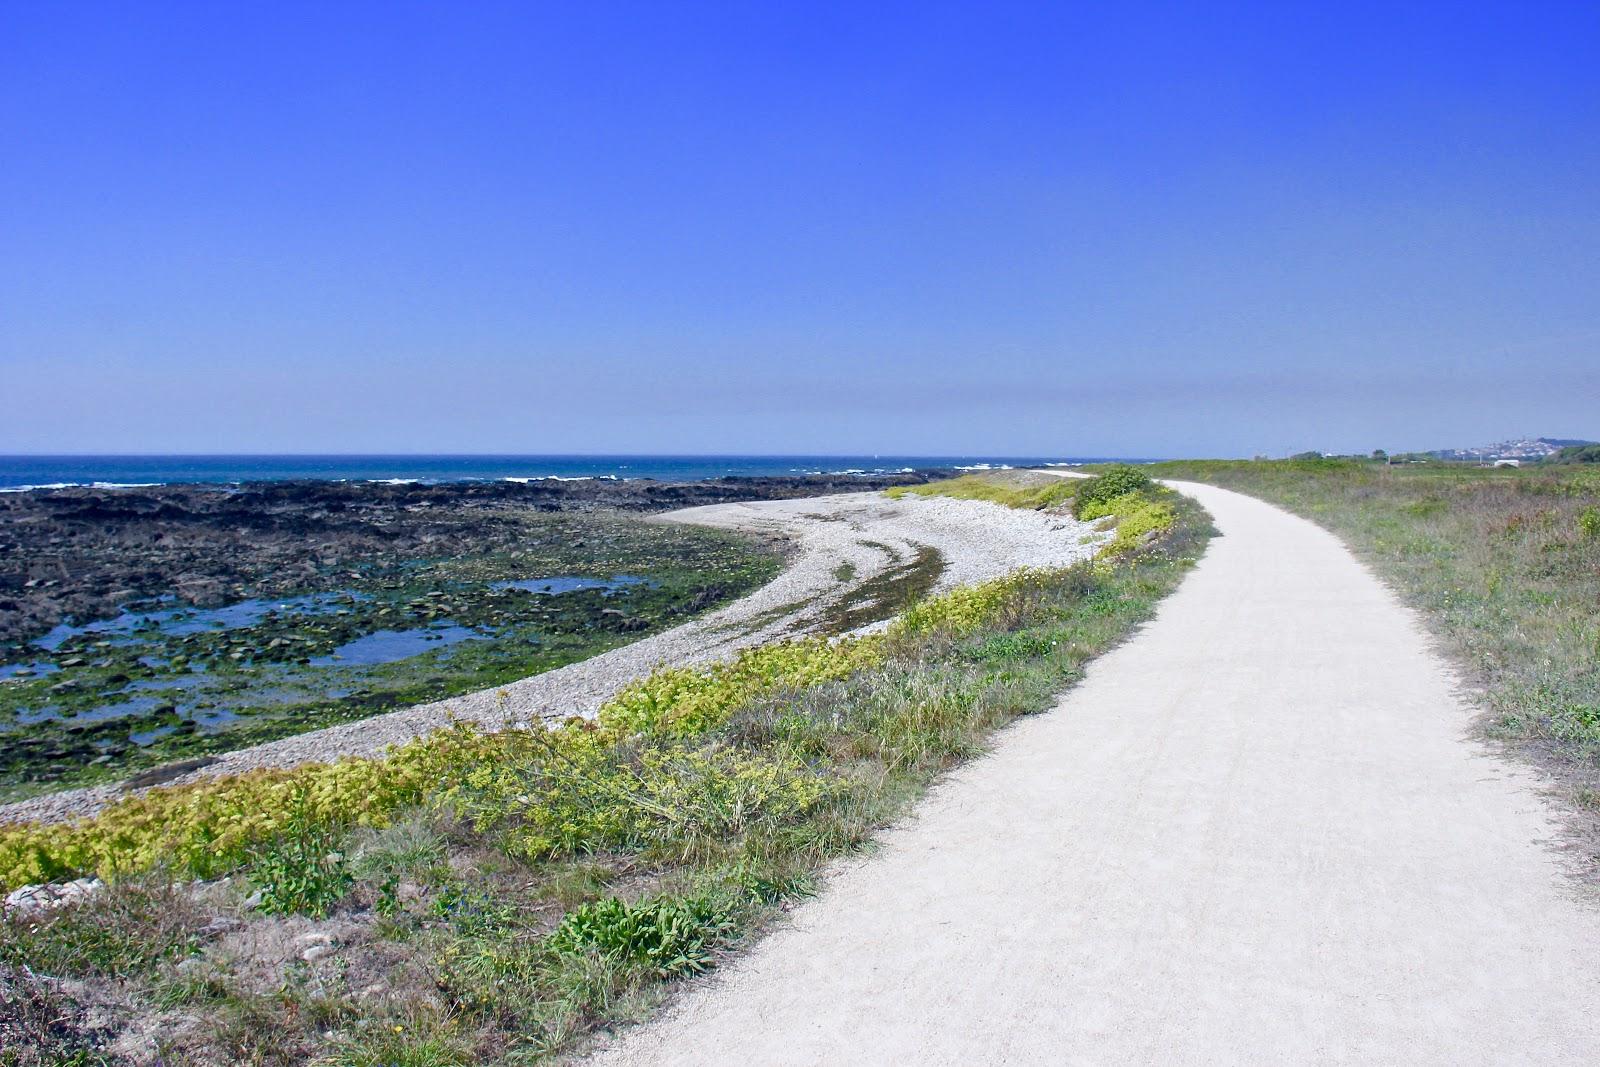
(1258, 832)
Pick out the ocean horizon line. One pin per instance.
(29, 471)
(526, 455)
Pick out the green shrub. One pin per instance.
(1576, 454)
(664, 936)
(1111, 483)
(1136, 515)
(301, 872)
(208, 828)
(1011, 646)
(1572, 721)
(1589, 522)
(472, 912)
(969, 607)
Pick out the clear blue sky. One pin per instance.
(983, 228)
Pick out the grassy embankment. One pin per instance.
(493, 897)
(1504, 565)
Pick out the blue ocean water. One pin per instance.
(22, 472)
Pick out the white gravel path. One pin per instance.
(1260, 832)
(866, 530)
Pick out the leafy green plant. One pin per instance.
(665, 936)
(1012, 646)
(387, 902)
(1589, 522)
(208, 828)
(1136, 515)
(970, 607)
(471, 911)
(303, 871)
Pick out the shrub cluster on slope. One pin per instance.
(1575, 454)
(1121, 496)
(489, 897)
(1109, 485)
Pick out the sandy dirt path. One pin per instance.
(1259, 832)
(839, 545)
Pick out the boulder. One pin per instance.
(28, 899)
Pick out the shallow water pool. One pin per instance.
(388, 646)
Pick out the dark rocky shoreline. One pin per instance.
(78, 554)
(199, 619)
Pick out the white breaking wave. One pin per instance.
(79, 485)
(564, 478)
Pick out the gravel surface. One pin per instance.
(866, 531)
(1259, 832)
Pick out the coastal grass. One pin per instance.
(1013, 489)
(1503, 564)
(136, 925)
(494, 897)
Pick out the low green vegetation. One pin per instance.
(132, 929)
(662, 936)
(1020, 489)
(300, 869)
(1504, 565)
(1109, 486)
(1121, 495)
(494, 897)
(1576, 454)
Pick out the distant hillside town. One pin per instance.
(1526, 450)
(1515, 453)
